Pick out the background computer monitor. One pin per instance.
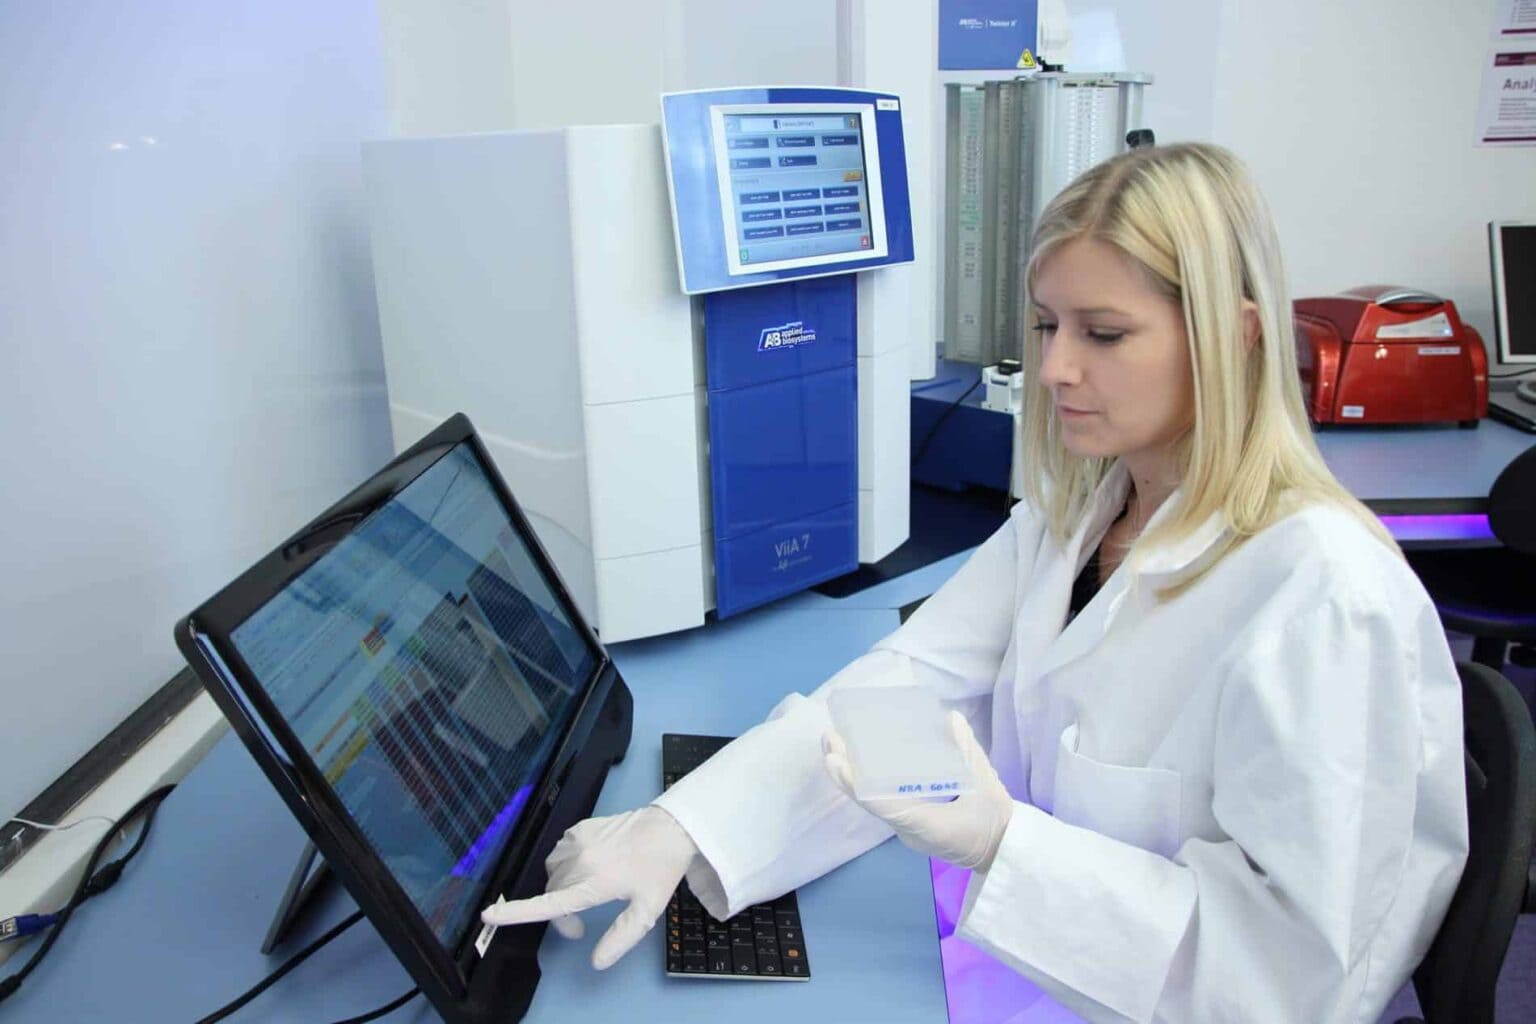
(1512, 246)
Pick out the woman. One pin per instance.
(1223, 769)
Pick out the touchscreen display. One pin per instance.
(429, 669)
(798, 185)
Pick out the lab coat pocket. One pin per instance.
(1140, 806)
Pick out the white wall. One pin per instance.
(478, 65)
(447, 66)
(188, 326)
(1357, 118)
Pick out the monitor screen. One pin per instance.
(429, 669)
(1514, 287)
(799, 185)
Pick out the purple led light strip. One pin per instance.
(1442, 528)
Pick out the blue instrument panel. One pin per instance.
(775, 184)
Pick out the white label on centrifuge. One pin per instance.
(885, 104)
(1353, 412)
(1439, 350)
(1437, 326)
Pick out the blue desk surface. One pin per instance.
(179, 935)
(1427, 470)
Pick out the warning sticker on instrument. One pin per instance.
(1353, 412)
(1439, 350)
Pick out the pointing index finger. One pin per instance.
(559, 903)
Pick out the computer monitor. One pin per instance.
(414, 680)
(1512, 247)
(796, 187)
(778, 183)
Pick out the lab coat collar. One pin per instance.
(1083, 633)
(1164, 560)
(1103, 508)
(1174, 558)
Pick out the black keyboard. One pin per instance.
(764, 941)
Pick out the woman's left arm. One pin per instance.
(1338, 778)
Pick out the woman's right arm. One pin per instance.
(762, 816)
(763, 812)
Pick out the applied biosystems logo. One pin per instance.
(788, 335)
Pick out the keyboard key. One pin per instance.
(796, 969)
(743, 961)
(720, 963)
(765, 931)
(695, 964)
(768, 966)
(789, 936)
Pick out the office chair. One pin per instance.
(1455, 981)
(1490, 593)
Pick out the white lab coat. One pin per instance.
(1246, 803)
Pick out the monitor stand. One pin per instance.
(309, 875)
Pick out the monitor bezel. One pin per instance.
(1501, 292)
(869, 140)
(204, 638)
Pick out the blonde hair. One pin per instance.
(1192, 218)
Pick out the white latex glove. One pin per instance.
(965, 831)
(638, 856)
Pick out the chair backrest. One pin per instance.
(1512, 504)
(1456, 980)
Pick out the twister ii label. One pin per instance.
(788, 335)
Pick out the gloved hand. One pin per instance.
(965, 831)
(638, 856)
